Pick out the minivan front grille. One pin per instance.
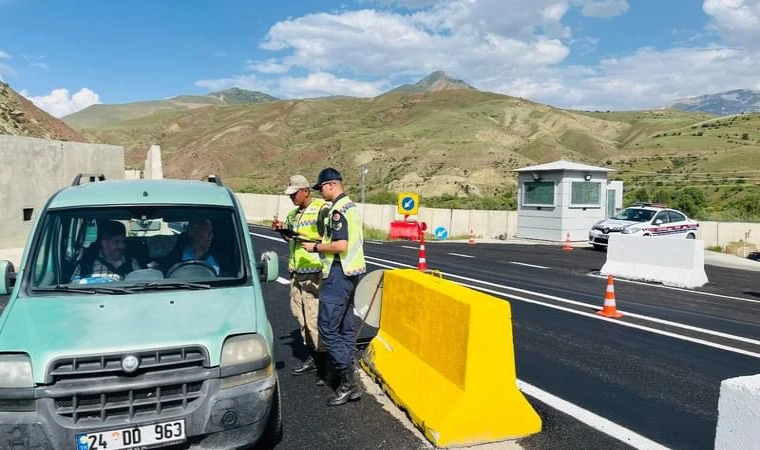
(129, 404)
(110, 365)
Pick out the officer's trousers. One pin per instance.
(337, 324)
(304, 304)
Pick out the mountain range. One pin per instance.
(439, 137)
(104, 114)
(737, 101)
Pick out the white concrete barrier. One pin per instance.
(670, 261)
(739, 414)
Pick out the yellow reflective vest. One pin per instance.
(351, 261)
(308, 223)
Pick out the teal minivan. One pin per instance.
(136, 320)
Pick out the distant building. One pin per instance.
(564, 197)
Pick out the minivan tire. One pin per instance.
(273, 431)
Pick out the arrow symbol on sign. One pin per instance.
(408, 203)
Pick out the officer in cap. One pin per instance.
(342, 254)
(306, 222)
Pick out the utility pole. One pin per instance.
(362, 172)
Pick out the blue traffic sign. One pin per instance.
(441, 233)
(407, 203)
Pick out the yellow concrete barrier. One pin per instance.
(444, 353)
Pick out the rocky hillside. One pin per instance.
(738, 101)
(20, 117)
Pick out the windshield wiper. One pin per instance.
(94, 290)
(169, 285)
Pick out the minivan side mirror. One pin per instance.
(269, 266)
(7, 277)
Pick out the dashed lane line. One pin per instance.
(529, 265)
(461, 255)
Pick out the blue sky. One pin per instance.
(589, 54)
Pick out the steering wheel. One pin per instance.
(194, 267)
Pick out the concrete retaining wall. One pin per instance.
(485, 224)
(31, 170)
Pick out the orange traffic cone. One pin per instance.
(567, 246)
(610, 309)
(472, 237)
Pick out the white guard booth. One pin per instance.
(564, 197)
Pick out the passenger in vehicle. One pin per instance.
(105, 258)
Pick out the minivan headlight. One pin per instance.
(245, 359)
(16, 371)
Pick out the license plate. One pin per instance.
(145, 436)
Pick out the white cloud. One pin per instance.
(738, 21)
(268, 66)
(59, 103)
(603, 8)
(645, 79)
(4, 55)
(521, 53)
(325, 84)
(376, 43)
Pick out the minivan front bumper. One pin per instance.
(220, 419)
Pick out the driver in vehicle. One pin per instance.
(200, 234)
(105, 259)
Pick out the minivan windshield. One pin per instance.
(635, 215)
(129, 249)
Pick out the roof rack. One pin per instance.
(215, 179)
(92, 176)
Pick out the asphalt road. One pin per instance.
(662, 386)
(658, 377)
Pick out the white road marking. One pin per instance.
(597, 422)
(679, 289)
(598, 317)
(463, 256)
(269, 237)
(407, 246)
(374, 242)
(282, 280)
(587, 305)
(528, 265)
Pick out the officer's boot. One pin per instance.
(349, 389)
(306, 367)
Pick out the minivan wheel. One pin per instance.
(273, 431)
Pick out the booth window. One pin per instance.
(586, 193)
(27, 212)
(538, 193)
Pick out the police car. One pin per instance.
(644, 219)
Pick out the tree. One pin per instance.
(690, 200)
